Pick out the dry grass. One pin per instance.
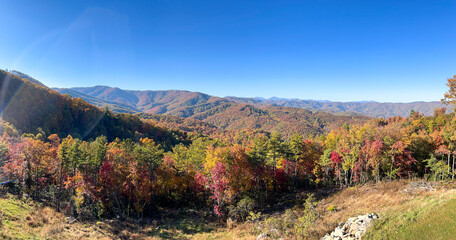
(240, 231)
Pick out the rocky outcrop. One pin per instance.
(353, 228)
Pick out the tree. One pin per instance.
(274, 149)
(438, 112)
(373, 152)
(28, 162)
(296, 148)
(240, 173)
(97, 152)
(114, 174)
(336, 160)
(148, 154)
(64, 155)
(396, 149)
(325, 162)
(257, 153)
(437, 167)
(449, 97)
(4, 152)
(148, 157)
(181, 159)
(218, 186)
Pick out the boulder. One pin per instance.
(353, 229)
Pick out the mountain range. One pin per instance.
(221, 113)
(187, 104)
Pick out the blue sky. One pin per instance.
(388, 51)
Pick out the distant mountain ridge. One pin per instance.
(114, 106)
(368, 108)
(223, 113)
(186, 104)
(171, 102)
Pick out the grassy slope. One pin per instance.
(431, 218)
(29, 220)
(13, 215)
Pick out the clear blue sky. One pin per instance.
(339, 50)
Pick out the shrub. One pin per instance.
(242, 209)
(306, 223)
(289, 225)
(254, 217)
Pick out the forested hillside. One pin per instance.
(287, 121)
(28, 77)
(34, 108)
(234, 117)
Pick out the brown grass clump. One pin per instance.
(40, 217)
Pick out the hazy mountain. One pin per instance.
(114, 106)
(368, 108)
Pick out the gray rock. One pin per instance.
(262, 236)
(353, 229)
(338, 232)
